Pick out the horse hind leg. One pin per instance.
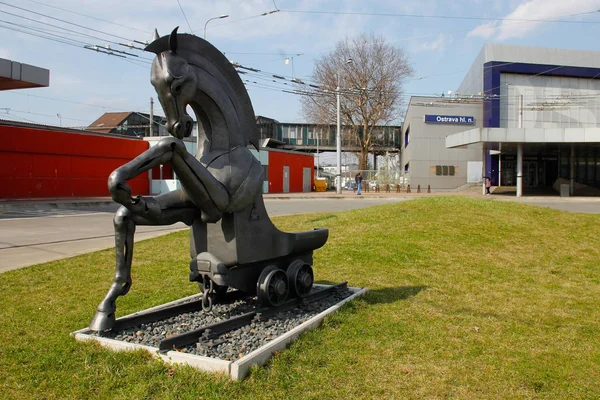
(104, 318)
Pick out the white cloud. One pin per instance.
(59, 80)
(437, 44)
(532, 10)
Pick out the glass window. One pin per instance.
(438, 170)
(451, 170)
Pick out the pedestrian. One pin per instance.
(488, 185)
(358, 180)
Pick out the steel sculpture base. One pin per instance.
(234, 369)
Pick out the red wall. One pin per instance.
(296, 162)
(44, 163)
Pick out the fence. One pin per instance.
(380, 180)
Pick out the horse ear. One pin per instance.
(173, 40)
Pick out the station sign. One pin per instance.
(449, 119)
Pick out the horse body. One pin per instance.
(224, 177)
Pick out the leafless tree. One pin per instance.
(370, 88)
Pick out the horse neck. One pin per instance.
(218, 110)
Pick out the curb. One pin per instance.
(26, 205)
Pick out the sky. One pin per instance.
(441, 37)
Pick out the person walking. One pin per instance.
(488, 185)
(358, 179)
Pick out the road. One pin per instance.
(32, 236)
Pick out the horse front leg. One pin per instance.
(117, 181)
(104, 318)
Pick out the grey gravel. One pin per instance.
(233, 344)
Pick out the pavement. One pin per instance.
(33, 231)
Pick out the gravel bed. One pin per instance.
(233, 344)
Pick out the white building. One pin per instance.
(529, 116)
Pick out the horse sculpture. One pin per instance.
(233, 242)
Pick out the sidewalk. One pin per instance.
(497, 194)
(75, 202)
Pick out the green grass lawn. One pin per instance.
(468, 299)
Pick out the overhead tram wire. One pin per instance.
(70, 23)
(41, 36)
(442, 16)
(45, 115)
(349, 92)
(89, 16)
(71, 42)
(63, 39)
(71, 31)
(185, 16)
(246, 18)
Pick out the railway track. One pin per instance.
(209, 332)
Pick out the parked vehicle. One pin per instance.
(350, 185)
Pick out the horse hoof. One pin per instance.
(103, 321)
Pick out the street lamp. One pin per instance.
(338, 188)
(219, 17)
(59, 119)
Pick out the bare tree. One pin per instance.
(370, 88)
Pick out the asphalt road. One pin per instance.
(36, 235)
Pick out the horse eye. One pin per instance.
(177, 89)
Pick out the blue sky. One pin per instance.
(441, 48)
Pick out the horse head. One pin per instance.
(188, 70)
(175, 86)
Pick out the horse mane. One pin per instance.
(203, 55)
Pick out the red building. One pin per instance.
(39, 161)
(42, 161)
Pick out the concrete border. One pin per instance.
(236, 370)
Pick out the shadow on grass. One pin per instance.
(385, 295)
(392, 294)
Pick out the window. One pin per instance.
(407, 167)
(406, 136)
(445, 170)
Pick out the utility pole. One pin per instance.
(151, 115)
(338, 141)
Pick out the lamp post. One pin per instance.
(219, 17)
(338, 136)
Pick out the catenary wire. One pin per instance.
(442, 16)
(70, 23)
(89, 16)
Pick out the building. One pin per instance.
(315, 138)
(16, 75)
(529, 116)
(129, 124)
(425, 160)
(285, 171)
(44, 161)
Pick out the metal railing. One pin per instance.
(380, 180)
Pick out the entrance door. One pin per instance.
(306, 186)
(530, 174)
(286, 179)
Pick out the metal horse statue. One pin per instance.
(233, 242)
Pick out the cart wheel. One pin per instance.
(300, 276)
(272, 287)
